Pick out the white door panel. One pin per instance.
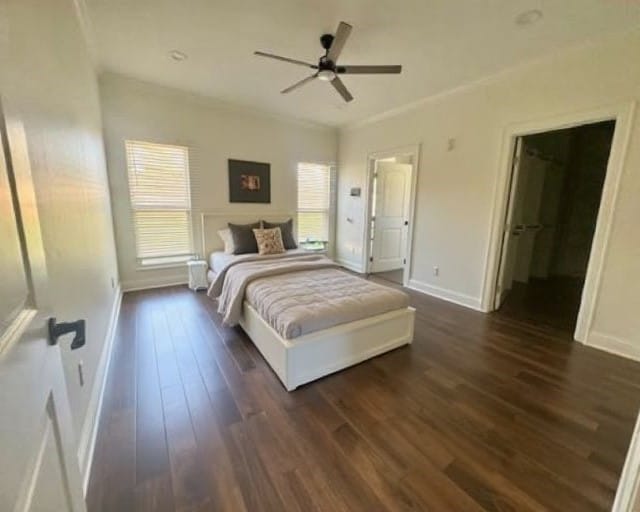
(393, 192)
(51, 490)
(38, 463)
(390, 216)
(390, 245)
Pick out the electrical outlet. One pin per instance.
(436, 271)
(81, 373)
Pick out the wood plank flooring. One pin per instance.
(554, 302)
(481, 413)
(395, 276)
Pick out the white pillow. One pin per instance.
(227, 239)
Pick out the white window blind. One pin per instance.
(314, 201)
(160, 200)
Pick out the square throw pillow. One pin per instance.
(244, 241)
(286, 230)
(227, 240)
(269, 241)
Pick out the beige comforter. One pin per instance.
(231, 282)
(300, 294)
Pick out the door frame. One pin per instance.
(623, 115)
(628, 492)
(414, 152)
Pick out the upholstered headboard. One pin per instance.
(212, 221)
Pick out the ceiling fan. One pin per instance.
(327, 68)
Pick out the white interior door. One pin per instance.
(38, 466)
(510, 234)
(527, 215)
(390, 216)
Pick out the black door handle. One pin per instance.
(59, 329)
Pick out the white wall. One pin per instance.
(214, 133)
(48, 82)
(457, 189)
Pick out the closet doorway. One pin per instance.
(390, 213)
(556, 189)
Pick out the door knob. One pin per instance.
(59, 329)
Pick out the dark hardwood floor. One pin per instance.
(481, 413)
(554, 302)
(395, 276)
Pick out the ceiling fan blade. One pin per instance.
(368, 70)
(298, 84)
(341, 88)
(344, 29)
(286, 59)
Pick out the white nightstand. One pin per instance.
(197, 274)
(317, 247)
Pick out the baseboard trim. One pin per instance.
(87, 442)
(350, 265)
(134, 286)
(613, 345)
(628, 493)
(449, 295)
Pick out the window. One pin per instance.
(314, 201)
(161, 201)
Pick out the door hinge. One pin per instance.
(404, 261)
(370, 258)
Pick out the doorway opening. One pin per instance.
(388, 238)
(556, 189)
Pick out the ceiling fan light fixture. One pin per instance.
(326, 75)
(327, 69)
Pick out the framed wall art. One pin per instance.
(249, 182)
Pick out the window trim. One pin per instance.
(171, 262)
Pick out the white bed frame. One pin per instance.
(320, 353)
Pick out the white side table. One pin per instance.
(316, 247)
(197, 274)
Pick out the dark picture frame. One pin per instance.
(249, 182)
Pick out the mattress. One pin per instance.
(219, 259)
(302, 302)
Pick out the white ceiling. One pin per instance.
(441, 44)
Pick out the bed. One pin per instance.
(306, 315)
